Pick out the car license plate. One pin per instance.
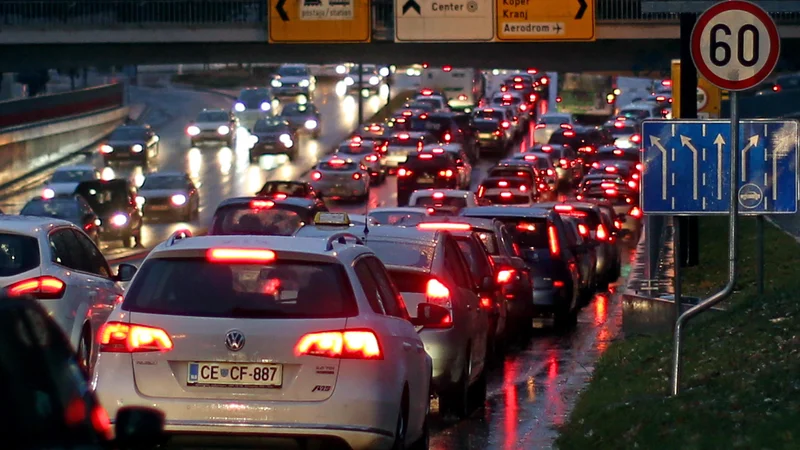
(425, 180)
(159, 207)
(485, 135)
(234, 375)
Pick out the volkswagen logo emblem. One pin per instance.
(234, 340)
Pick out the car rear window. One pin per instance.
(507, 101)
(18, 254)
(487, 126)
(458, 202)
(285, 289)
(528, 233)
(508, 198)
(290, 189)
(404, 142)
(397, 218)
(511, 173)
(589, 216)
(634, 113)
(213, 117)
(554, 120)
(338, 165)
(489, 241)
(411, 282)
(244, 220)
(402, 253)
(57, 207)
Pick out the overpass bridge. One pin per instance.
(75, 33)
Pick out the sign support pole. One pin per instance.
(360, 94)
(760, 253)
(732, 250)
(676, 250)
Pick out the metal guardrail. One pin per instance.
(32, 13)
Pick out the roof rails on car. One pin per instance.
(177, 236)
(342, 239)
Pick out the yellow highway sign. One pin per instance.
(545, 20)
(307, 21)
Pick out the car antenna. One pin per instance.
(366, 218)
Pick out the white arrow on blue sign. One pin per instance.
(686, 167)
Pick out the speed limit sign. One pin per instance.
(735, 45)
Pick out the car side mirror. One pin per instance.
(125, 272)
(138, 427)
(432, 316)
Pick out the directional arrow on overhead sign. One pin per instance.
(281, 11)
(581, 10)
(412, 4)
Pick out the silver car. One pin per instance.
(402, 143)
(364, 151)
(303, 118)
(548, 124)
(434, 278)
(339, 177)
(169, 193)
(217, 125)
(292, 80)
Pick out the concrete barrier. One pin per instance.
(27, 111)
(26, 149)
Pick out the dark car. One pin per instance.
(491, 135)
(541, 237)
(261, 216)
(517, 175)
(280, 190)
(170, 193)
(303, 118)
(114, 201)
(507, 191)
(47, 399)
(441, 125)
(610, 183)
(130, 143)
(426, 170)
(585, 252)
(273, 136)
(569, 167)
(613, 153)
(72, 208)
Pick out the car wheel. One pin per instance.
(400, 433)
(456, 400)
(84, 351)
(477, 393)
(424, 441)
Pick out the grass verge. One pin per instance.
(741, 380)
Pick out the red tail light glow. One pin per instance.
(404, 136)
(438, 195)
(375, 128)
(595, 165)
(506, 195)
(611, 192)
(356, 176)
(607, 185)
(632, 184)
(337, 162)
(547, 148)
(316, 175)
(372, 158)
(447, 68)
(263, 204)
(539, 126)
(281, 196)
(407, 113)
(505, 276)
(240, 255)
(776, 88)
(45, 287)
(446, 173)
(438, 151)
(558, 284)
(446, 226)
(118, 337)
(426, 156)
(563, 162)
(569, 133)
(526, 227)
(639, 167)
(403, 172)
(617, 152)
(505, 124)
(345, 344)
(602, 233)
(611, 169)
(529, 157)
(550, 172)
(636, 138)
(565, 126)
(486, 302)
(502, 183)
(582, 230)
(497, 133)
(635, 212)
(426, 92)
(552, 235)
(447, 137)
(564, 208)
(437, 293)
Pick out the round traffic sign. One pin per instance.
(702, 98)
(735, 45)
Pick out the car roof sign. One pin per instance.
(332, 219)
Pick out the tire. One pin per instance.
(400, 433)
(424, 441)
(84, 352)
(477, 393)
(456, 400)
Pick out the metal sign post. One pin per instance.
(735, 45)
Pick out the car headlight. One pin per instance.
(137, 148)
(341, 69)
(349, 81)
(140, 201)
(119, 220)
(97, 222)
(239, 107)
(178, 199)
(105, 148)
(193, 130)
(285, 138)
(223, 130)
(304, 83)
(276, 83)
(265, 106)
(384, 71)
(373, 80)
(48, 193)
(311, 124)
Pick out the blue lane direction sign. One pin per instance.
(686, 167)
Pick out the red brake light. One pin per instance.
(506, 96)
(427, 92)
(661, 98)
(636, 138)
(666, 83)
(636, 212)
(523, 188)
(486, 302)
(437, 293)
(586, 149)
(497, 132)
(356, 140)
(569, 133)
(558, 284)
(375, 128)
(611, 169)
(438, 195)
(45, 287)
(611, 192)
(632, 184)
(448, 226)
(447, 68)
(407, 113)
(447, 137)
(518, 86)
(607, 185)
(555, 250)
(595, 165)
(526, 227)
(240, 255)
(566, 126)
(639, 166)
(547, 148)
(564, 208)
(523, 107)
(532, 71)
(316, 175)
(583, 230)
(506, 275)
(118, 337)
(506, 195)
(403, 172)
(371, 158)
(346, 344)
(426, 156)
(635, 176)
(505, 124)
(404, 136)
(602, 233)
(502, 183)
(337, 162)
(550, 172)
(263, 204)
(529, 157)
(437, 151)
(539, 126)
(544, 80)
(563, 162)
(619, 124)
(776, 88)
(356, 176)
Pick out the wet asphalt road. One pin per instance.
(530, 391)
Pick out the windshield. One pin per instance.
(293, 71)
(296, 109)
(60, 208)
(72, 176)
(634, 113)
(253, 98)
(356, 149)
(554, 120)
(244, 220)
(528, 233)
(17, 254)
(403, 254)
(290, 189)
(397, 218)
(212, 116)
(458, 202)
(621, 130)
(128, 134)
(507, 101)
(152, 183)
(284, 289)
(107, 199)
(270, 125)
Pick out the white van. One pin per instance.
(464, 88)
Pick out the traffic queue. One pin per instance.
(289, 321)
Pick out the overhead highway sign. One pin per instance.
(307, 21)
(444, 20)
(545, 20)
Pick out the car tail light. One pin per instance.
(430, 210)
(776, 88)
(372, 158)
(602, 233)
(505, 124)
(438, 151)
(45, 287)
(569, 133)
(447, 137)
(523, 188)
(565, 126)
(356, 176)
(635, 176)
(345, 344)
(497, 132)
(407, 113)
(563, 162)
(281, 196)
(502, 183)
(582, 230)
(448, 226)
(481, 191)
(544, 80)
(438, 195)
(505, 276)
(403, 172)
(617, 152)
(542, 186)
(240, 255)
(486, 302)
(617, 225)
(532, 71)
(419, 146)
(661, 98)
(426, 156)
(607, 185)
(639, 167)
(632, 184)
(427, 92)
(611, 169)
(550, 172)
(558, 284)
(262, 204)
(636, 138)
(375, 128)
(611, 192)
(118, 337)
(635, 212)
(437, 293)
(555, 248)
(539, 126)
(585, 149)
(404, 136)
(532, 98)
(316, 175)
(564, 208)
(337, 162)
(595, 165)
(447, 68)
(506, 195)
(523, 107)
(503, 88)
